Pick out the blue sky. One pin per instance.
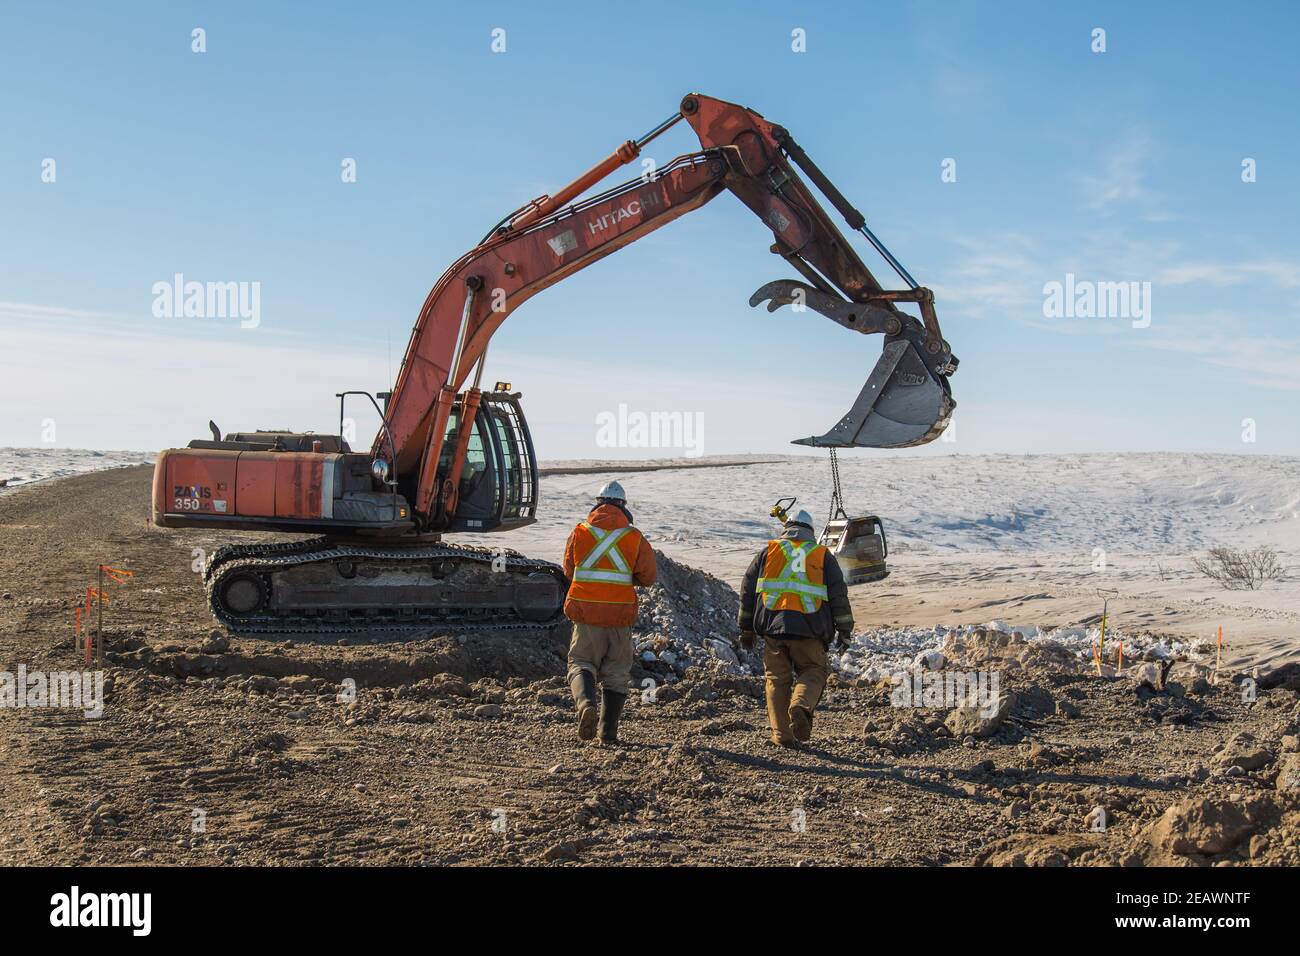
(225, 166)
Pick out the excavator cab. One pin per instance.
(859, 546)
(498, 480)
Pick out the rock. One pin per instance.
(1288, 776)
(561, 851)
(217, 643)
(1066, 709)
(1258, 846)
(1041, 755)
(722, 651)
(1036, 849)
(261, 684)
(1206, 825)
(930, 661)
(487, 710)
(1287, 676)
(1290, 744)
(1148, 676)
(190, 665)
(1186, 672)
(979, 721)
(1244, 751)
(666, 694)
(448, 685)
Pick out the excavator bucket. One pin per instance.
(901, 404)
(906, 399)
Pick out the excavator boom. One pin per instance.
(906, 400)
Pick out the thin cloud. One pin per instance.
(1121, 182)
(1274, 271)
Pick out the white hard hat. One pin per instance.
(800, 517)
(612, 490)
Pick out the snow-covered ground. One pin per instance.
(1146, 503)
(22, 466)
(1025, 540)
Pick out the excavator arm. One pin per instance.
(905, 401)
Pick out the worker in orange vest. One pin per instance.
(795, 596)
(604, 560)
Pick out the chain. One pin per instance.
(837, 495)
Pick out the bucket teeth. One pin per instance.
(905, 400)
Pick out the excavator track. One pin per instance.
(323, 586)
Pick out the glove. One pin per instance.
(842, 640)
(747, 639)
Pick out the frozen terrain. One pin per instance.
(22, 466)
(1155, 504)
(1023, 540)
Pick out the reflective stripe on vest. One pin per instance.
(606, 547)
(793, 580)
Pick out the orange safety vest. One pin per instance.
(794, 576)
(602, 572)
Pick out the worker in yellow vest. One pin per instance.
(794, 595)
(604, 560)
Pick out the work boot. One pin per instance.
(782, 741)
(611, 705)
(801, 723)
(583, 685)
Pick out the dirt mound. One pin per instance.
(688, 619)
(1012, 651)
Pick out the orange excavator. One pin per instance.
(452, 457)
